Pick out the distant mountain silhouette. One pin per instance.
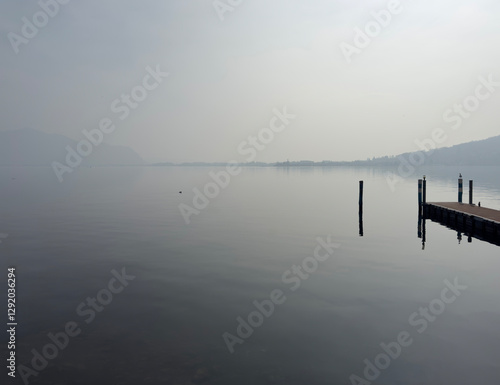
(29, 147)
(478, 153)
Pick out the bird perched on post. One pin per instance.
(459, 174)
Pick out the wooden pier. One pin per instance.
(478, 222)
(472, 220)
(476, 211)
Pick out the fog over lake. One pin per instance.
(226, 192)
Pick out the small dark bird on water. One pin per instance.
(180, 192)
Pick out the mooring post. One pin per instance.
(470, 192)
(361, 195)
(360, 208)
(420, 197)
(424, 191)
(460, 189)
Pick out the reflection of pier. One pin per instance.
(474, 221)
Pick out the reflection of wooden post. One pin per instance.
(460, 189)
(419, 226)
(470, 192)
(360, 223)
(423, 234)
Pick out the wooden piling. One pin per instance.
(360, 213)
(360, 193)
(460, 190)
(424, 191)
(420, 193)
(470, 192)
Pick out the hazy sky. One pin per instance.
(226, 76)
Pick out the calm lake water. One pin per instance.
(193, 281)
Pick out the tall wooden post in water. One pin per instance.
(470, 192)
(460, 189)
(424, 191)
(420, 197)
(361, 195)
(360, 213)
